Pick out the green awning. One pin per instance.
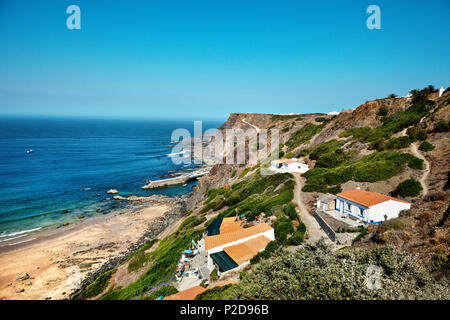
(223, 260)
(214, 227)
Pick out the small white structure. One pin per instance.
(326, 202)
(441, 91)
(333, 113)
(369, 207)
(289, 165)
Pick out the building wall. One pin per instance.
(296, 167)
(356, 210)
(390, 208)
(374, 213)
(269, 234)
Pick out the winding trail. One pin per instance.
(312, 226)
(251, 125)
(419, 155)
(415, 151)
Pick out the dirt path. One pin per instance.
(312, 226)
(251, 125)
(416, 153)
(423, 179)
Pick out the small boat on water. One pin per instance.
(30, 151)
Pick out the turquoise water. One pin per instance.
(74, 163)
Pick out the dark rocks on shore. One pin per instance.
(20, 290)
(80, 217)
(22, 277)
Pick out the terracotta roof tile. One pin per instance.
(188, 294)
(242, 233)
(366, 198)
(243, 252)
(229, 225)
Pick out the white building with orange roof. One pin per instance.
(234, 246)
(368, 206)
(289, 165)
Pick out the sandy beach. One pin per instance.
(57, 261)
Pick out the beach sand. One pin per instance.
(58, 261)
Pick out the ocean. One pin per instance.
(74, 163)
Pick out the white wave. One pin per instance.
(181, 152)
(19, 232)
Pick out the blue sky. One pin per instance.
(205, 59)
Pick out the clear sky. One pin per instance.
(205, 59)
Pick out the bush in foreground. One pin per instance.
(317, 273)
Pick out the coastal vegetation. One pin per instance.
(303, 135)
(138, 258)
(96, 287)
(426, 146)
(252, 196)
(216, 293)
(164, 291)
(408, 188)
(394, 123)
(315, 272)
(163, 265)
(374, 167)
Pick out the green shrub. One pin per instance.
(233, 173)
(216, 293)
(315, 272)
(283, 227)
(303, 135)
(301, 227)
(393, 123)
(383, 111)
(408, 188)
(398, 143)
(271, 247)
(191, 222)
(415, 163)
(439, 261)
(374, 167)
(417, 134)
(244, 172)
(361, 235)
(164, 291)
(297, 238)
(426, 146)
(441, 126)
(213, 276)
(164, 262)
(290, 211)
(96, 287)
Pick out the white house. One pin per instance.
(369, 207)
(289, 165)
(233, 248)
(441, 91)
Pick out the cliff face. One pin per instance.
(366, 115)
